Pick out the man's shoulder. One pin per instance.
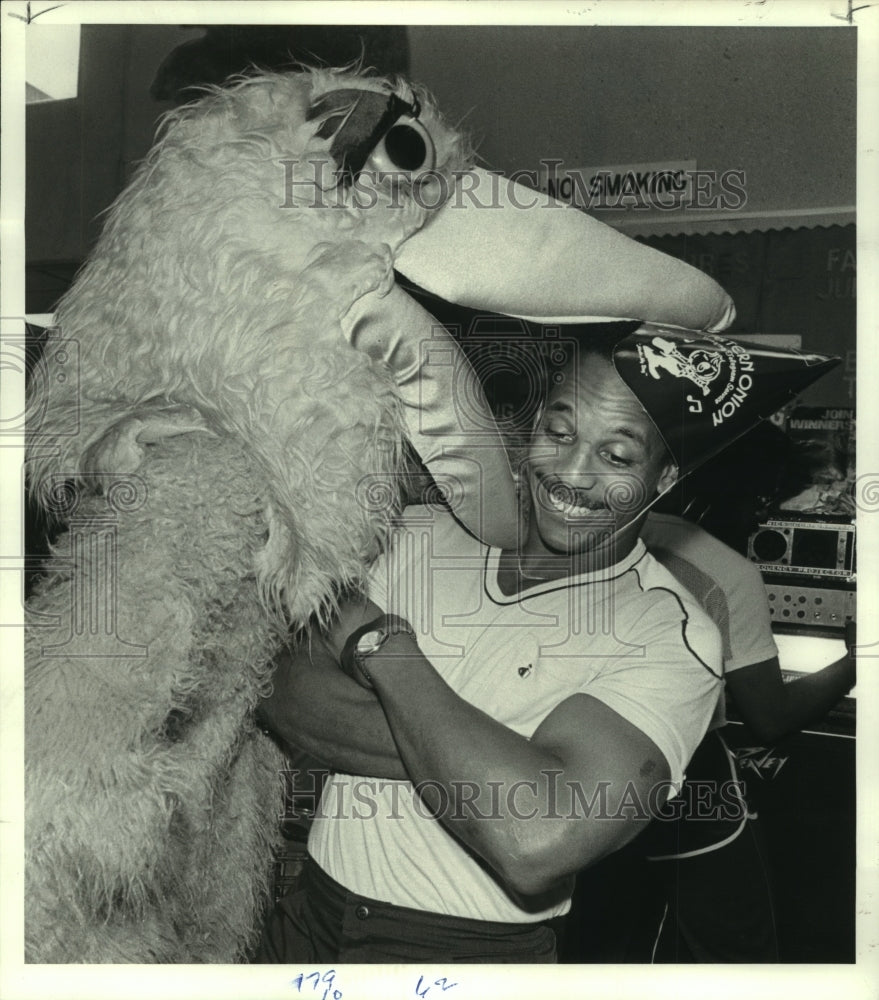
(669, 537)
(661, 597)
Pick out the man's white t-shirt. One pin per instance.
(628, 635)
(728, 587)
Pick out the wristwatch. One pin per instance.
(367, 640)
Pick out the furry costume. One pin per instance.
(248, 375)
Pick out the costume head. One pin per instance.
(252, 252)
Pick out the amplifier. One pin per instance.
(806, 608)
(805, 548)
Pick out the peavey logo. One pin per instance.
(729, 364)
(764, 763)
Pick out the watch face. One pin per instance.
(369, 642)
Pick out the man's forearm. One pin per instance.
(810, 698)
(772, 708)
(317, 708)
(506, 797)
(455, 754)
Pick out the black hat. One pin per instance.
(703, 390)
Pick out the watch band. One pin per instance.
(387, 625)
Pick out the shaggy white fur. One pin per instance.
(151, 801)
(217, 290)
(212, 286)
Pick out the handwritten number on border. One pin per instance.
(317, 980)
(443, 984)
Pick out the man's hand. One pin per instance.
(772, 709)
(294, 665)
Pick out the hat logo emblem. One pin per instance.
(703, 368)
(700, 368)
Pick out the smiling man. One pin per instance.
(528, 708)
(596, 461)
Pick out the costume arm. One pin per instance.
(448, 420)
(474, 767)
(772, 709)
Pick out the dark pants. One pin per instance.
(323, 922)
(716, 905)
(719, 905)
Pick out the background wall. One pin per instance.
(79, 151)
(777, 102)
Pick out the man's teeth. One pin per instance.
(572, 509)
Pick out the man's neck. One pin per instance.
(603, 549)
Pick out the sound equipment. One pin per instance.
(809, 571)
(804, 787)
(815, 549)
(807, 608)
(804, 790)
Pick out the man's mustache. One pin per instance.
(616, 493)
(571, 496)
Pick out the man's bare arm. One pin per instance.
(772, 708)
(522, 805)
(317, 708)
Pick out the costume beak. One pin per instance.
(498, 246)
